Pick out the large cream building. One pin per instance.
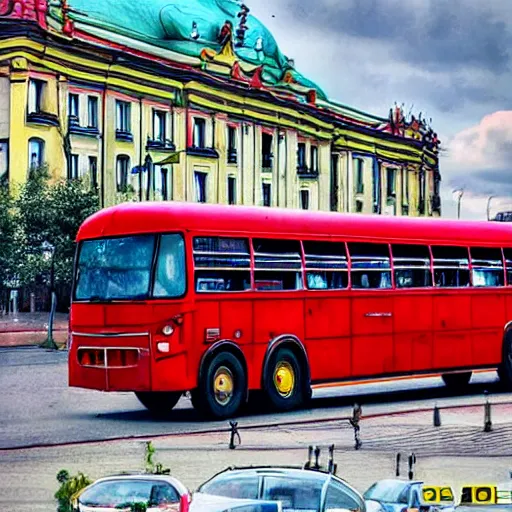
(192, 100)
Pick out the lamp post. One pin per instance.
(49, 254)
(460, 193)
(489, 207)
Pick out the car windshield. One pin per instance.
(115, 494)
(385, 491)
(121, 268)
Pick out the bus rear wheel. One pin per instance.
(456, 380)
(158, 402)
(284, 386)
(222, 388)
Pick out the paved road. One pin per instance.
(38, 408)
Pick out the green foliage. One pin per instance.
(151, 466)
(42, 214)
(70, 486)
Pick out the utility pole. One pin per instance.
(460, 193)
(489, 207)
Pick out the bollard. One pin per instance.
(487, 413)
(310, 455)
(398, 456)
(437, 416)
(412, 462)
(317, 457)
(354, 421)
(333, 468)
(234, 432)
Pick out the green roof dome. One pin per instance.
(187, 27)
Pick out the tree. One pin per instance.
(7, 241)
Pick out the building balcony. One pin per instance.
(232, 156)
(43, 118)
(160, 145)
(303, 171)
(202, 152)
(124, 136)
(75, 128)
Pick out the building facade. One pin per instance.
(192, 100)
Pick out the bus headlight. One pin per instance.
(168, 330)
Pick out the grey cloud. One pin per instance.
(434, 34)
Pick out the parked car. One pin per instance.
(403, 495)
(208, 503)
(116, 493)
(306, 490)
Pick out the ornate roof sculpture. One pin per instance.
(219, 37)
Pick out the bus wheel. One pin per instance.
(160, 403)
(283, 380)
(222, 388)
(456, 380)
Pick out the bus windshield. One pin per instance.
(121, 268)
(115, 268)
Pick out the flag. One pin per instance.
(173, 158)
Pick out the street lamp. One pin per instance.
(458, 193)
(49, 255)
(489, 207)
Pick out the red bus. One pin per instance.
(226, 300)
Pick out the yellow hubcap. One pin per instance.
(284, 379)
(223, 385)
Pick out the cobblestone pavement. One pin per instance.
(457, 453)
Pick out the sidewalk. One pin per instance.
(31, 329)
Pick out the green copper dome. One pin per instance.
(187, 27)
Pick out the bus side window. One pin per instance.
(487, 266)
(411, 264)
(277, 265)
(451, 266)
(507, 252)
(170, 277)
(326, 265)
(221, 264)
(371, 266)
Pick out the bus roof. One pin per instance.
(157, 217)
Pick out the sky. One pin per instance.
(449, 59)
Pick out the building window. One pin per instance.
(93, 171)
(92, 112)
(359, 175)
(267, 194)
(232, 152)
(304, 199)
(122, 169)
(359, 206)
(164, 176)
(36, 153)
(200, 186)
(301, 156)
(334, 183)
(123, 109)
(35, 96)
(199, 140)
(405, 186)
(266, 150)
(74, 107)
(159, 125)
(73, 167)
(314, 160)
(231, 190)
(391, 183)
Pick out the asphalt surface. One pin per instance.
(38, 408)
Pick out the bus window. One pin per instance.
(451, 266)
(371, 266)
(326, 265)
(277, 265)
(170, 277)
(222, 264)
(487, 267)
(508, 264)
(411, 265)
